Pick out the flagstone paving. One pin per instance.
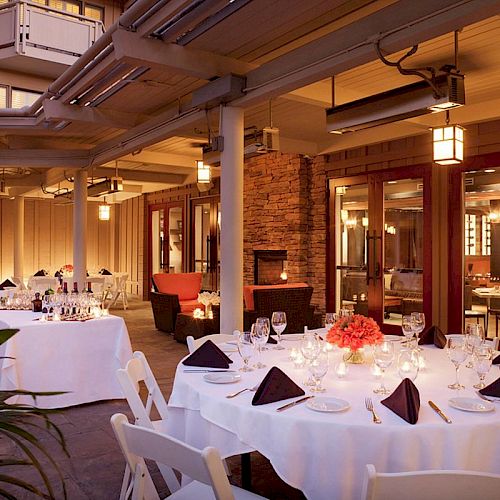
(94, 469)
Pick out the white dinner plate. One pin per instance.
(471, 404)
(328, 405)
(222, 378)
(226, 347)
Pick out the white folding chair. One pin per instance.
(217, 338)
(205, 466)
(119, 289)
(137, 370)
(434, 484)
(98, 285)
(19, 282)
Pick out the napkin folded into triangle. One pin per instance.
(6, 284)
(404, 401)
(276, 386)
(270, 340)
(40, 273)
(433, 335)
(105, 272)
(492, 390)
(208, 355)
(496, 361)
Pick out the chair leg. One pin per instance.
(246, 471)
(496, 325)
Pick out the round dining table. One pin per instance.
(325, 454)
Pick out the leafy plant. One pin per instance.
(17, 423)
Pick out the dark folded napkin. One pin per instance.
(433, 335)
(270, 340)
(404, 401)
(6, 284)
(496, 361)
(57, 274)
(105, 272)
(276, 386)
(208, 355)
(42, 272)
(492, 390)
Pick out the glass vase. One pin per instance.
(356, 357)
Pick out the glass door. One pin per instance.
(378, 245)
(205, 248)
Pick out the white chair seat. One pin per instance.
(216, 338)
(200, 491)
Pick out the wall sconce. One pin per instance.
(494, 217)
(364, 221)
(351, 223)
(204, 172)
(104, 211)
(448, 143)
(390, 229)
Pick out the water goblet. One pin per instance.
(330, 320)
(318, 368)
(246, 350)
(259, 334)
(418, 319)
(383, 356)
(278, 320)
(407, 327)
(266, 324)
(310, 347)
(457, 352)
(408, 364)
(473, 339)
(481, 361)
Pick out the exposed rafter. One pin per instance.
(43, 158)
(141, 175)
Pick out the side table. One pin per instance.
(186, 325)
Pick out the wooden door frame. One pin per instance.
(376, 223)
(456, 208)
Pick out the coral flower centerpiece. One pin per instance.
(354, 332)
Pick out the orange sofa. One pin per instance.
(174, 293)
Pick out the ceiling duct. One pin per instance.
(397, 104)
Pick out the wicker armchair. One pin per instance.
(295, 302)
(174, 293)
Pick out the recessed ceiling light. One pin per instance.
(490, 170)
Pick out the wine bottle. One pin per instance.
(89, 287)
(65, 287)
(75, 287)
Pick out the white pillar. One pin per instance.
(19, 237)
(80, 229)
(231, 236)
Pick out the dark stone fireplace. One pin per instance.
(269, 266)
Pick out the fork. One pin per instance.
(234, 394)
(369, 407)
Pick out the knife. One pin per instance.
(291, 405)
(435, 407)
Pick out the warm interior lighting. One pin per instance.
(344, 215)
(341, 190)
(364, 221)
(448, 144)
(351, 223)
(204, 172)
(494, 217)
(104, 211)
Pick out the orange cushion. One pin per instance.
(188, 306)
(186, 285)
(248, 291)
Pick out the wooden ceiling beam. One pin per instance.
(43, 158)
(157, 158)
(141, 175)
(133, 50)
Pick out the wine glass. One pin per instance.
(474, 337)
(418, 319)
(481, 361)
(457, 352)
(266, 324)
(383, 356)
(407, 327)
(310, 347)
(408, 364)
(330, 320)
(259, 334)
(278, 320)
(318, 368)
(246, 349)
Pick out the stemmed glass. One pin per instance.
(481, 360)
(383, 356)
(318, 368)
(330, 320)
(474, 337)
(267, 325)
(259, 334)
(278, 320)
(246, 349)
(310, 346)
(407, 327)
(418, 319)
(457, 352)
(408, 364)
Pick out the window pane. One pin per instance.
(3, 96)
(94, 12)
(21, 98)
(65, 5)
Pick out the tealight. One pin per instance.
(43, 317)
(299, 360)
(327, 347)
(56, 317)
(293, 353)
(210, 314)
(341, 369)
(421, 362)
(198, 313)
(376, 371)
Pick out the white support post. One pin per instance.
(19, 237)
(231, 236)
(80, 229)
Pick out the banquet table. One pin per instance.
(324, 454)
(78, 357)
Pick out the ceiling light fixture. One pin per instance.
(448, 143)
(203, 173)
(104, 211)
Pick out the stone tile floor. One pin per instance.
(95, 467)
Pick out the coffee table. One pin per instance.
(186, 325)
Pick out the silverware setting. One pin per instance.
(294, 403)
(369, 407)
(436, 408)
(234, 394)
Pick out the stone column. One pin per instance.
(19, 237)
(80, 229)
(231, 236)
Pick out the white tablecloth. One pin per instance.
(324, 454)
(79, 357)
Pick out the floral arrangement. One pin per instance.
(66, 270)
(354, 332)
(209, 298)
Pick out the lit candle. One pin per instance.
(105, 312)
(405, 367)
(341, 369)
(376, 371)
(210, 315)
(299, 360)
(327, 347)
(43, 317)
(421, 362)
(56, 317)
(293, 353)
